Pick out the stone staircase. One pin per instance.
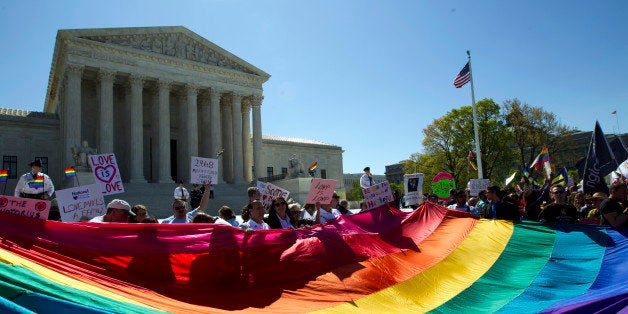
(158, 197)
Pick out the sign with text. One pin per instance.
(106, 173)
(26, 207)
(477, 185)
(204, 170)
(413, 188)
(85, 200)
(321, 191)
(377, 195)
(442, 183)
(271, 191)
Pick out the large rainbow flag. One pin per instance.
(384, 260)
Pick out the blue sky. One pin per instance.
(366, 75)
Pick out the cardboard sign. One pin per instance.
(441, 184)
(377, 195)
(270, 192)
(76, 202)
(321, 191)
(204, 170)
(413, 188)
(26, 207)
(477, 185)
(106, 173)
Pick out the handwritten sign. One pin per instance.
(442, 183)
(26, 207)
(413, 188)
(204, 170)
(76, 202)
(477, 185)
(377, 195)
(270, 192)
(106, 173)
(321, 191)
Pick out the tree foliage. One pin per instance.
(355, 193)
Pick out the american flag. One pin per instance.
(463, 77)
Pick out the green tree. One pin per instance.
(355, 192)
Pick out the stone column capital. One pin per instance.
(72, 68)
(256, 100)
(106, 75)
(192, 89)
(164, 84)
(137, 79)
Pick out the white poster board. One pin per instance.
(413, 184)
(106, 173)
(270, 192)
(321, 191)
(26, 207)
(76, 202)
(377, 195)
(477, 185)
(204, 170)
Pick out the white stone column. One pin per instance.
(257, 136)
(204, 133)
(215, 129)
(191, 127)
(72, 111)
(246, 139)
(238, 163)
(163, 133)
(105, 141)
(137, 130)
(227, 139)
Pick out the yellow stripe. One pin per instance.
(435, 286)
(10, 258)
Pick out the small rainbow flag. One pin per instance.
(220, 152)
(37, 183)
(4, 175)
(313, 167)
(70, 172)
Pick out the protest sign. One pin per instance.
(204, 170)
(271, 191)
(76, 202)
(413, 188)
(106, 173)
(377, 195)
(27, 207)
(321, 191)
(477, 185)
(441, 184)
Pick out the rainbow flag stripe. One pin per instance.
(384, 260)
(70, 172)
(4, 175)
(313, 167)
(220, 152)
(37, 183)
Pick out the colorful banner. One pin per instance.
(204, 170)
(441, 184)
(321, 191)
(413, 185)
(26, 207)
(377, 195)
(106, 173)
(81, 201)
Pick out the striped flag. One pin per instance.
(220, 152)
(542, 159)
(463, 77)
(4, 175)
(312, 168)
(37, 183)
(561, 177)
(70, 172)
(470, 163)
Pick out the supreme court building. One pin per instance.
(154, 96)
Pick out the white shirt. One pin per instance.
(366, 181)
(181, 193)
(306, 216)
(251, 224)
(98, 219)
(22, 185)
(188, 218)
(326, 216)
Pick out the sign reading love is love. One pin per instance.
(321, 191)
(106, 173)
(25, 207)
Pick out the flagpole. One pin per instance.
(478, 153)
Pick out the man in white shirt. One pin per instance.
(256, 220)
(181, 213)
(181, 193)
(366, 180)
(326, 213)
(29, 187)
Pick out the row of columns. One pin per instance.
(237, 147)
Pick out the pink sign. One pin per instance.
(321, 191)
(106, 173)
(26, 207)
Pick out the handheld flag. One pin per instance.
(220, 152)
(470, 163)
(313, 167)
(598, 163)
(542, 159)
(70, 172)
(37, 183)
(509, 179)
(4, 175)
(463, 77)
(561, 177)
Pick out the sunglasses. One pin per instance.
(179, 207)
(281, 203)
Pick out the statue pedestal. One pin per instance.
(83, 177)
(298, 187)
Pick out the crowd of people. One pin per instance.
(551, 203)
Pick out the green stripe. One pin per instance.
(16, 280)
(527, 252)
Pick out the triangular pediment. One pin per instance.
(174, 41)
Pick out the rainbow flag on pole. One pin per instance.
(4, 175)
(70, 172)
(220, 152)
(313, 167)
(37, 183)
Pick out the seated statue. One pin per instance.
(295, 168)
(80, 154)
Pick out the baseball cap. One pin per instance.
(120, 204)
